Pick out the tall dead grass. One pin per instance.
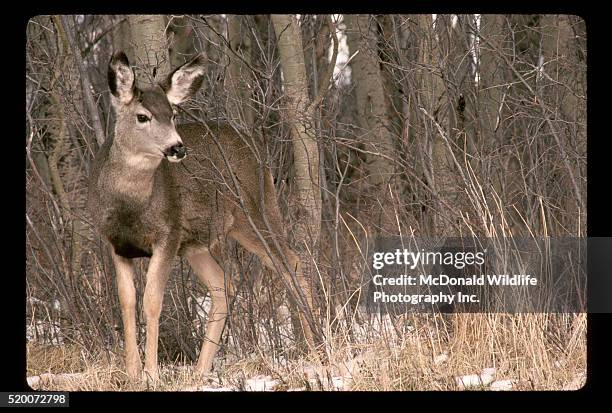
(531, 351)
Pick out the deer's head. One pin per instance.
(145, 117)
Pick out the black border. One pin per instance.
(12, 377)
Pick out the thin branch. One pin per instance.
(85, 83)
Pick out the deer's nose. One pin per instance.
(178, 150)
(176, 153)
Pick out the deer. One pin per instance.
(163, 190)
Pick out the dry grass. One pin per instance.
(533, 352)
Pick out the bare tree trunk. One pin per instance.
(371, 106)
(181, 40)
(524, 35)
(493, 98)
(121, 35)
(61, 128)
(320, 51)
(457, 111)
(299, 115)
(240, 79)
(149, 47)
(215, 26)
(491, 88)
(305, 150)
(437, 168)
(62, 139)
(389, 58)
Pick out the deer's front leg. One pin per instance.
(157, 276)
(127, 299)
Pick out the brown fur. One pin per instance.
(192, 203)
(145, 206)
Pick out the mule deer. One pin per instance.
(145, 206)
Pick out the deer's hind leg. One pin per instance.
(212, 276)
(287, 262)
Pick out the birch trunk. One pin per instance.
(305, 149)
(149, 47)
(299, 116)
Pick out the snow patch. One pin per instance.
(502, 385)
(36, 382)
(471, 381)
(261, 383)
(46, 332)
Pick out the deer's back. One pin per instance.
(219, 177)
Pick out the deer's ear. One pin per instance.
(184, 81)
(121, 78)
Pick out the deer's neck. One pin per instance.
(131, 174)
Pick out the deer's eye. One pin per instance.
(142, 118)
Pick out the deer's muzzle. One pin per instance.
(176, 153)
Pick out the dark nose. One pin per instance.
(178, 150)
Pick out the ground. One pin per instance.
(469, 352)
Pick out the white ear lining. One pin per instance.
(182, 82)
(124, 83)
